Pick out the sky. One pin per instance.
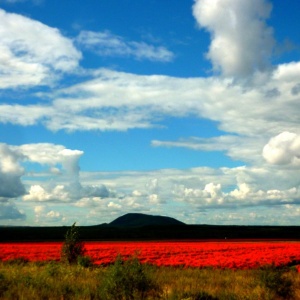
(188, 109)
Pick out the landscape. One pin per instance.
(135, 265)
(149, 149)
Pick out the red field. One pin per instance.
(218, 254)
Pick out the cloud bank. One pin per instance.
(62, 174)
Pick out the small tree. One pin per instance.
(72, 247)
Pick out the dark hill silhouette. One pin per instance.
(136, 227)
(140, 220)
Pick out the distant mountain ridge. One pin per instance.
(140, 220)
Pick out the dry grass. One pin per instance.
(23, 280)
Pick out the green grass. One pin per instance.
(20, 279)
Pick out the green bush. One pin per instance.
(4, 284)
(197, 296)
(128, 279)
(84, 261)
(276, 280)
(72, 247)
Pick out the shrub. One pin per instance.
(275, 280)
(128, 280)
(4, 284)
(197, 296)
(84, 261)
(72, 247)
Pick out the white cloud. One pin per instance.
(24, 115)
(121, 101)
(54, 215)
(208, 187)
(90, 202)
(200, 193)
(64, 185)
(39, 209)
(44, 214)
(241, 42)
(107, 44)
(51, 154)
(283, 149)
(32, 53)
(118, 101)
(245, 195)
(67, 190)
(154, 199)
(114, 205)
(192, 191)
(236, 147)
(38, 193)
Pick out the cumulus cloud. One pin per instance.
(40, 194)
(191, 192)
(11, 171)
(32, 53)
(199, 193)
(114, 205)
(107, 44)
(69, 191)
(214, 196)
(65, 185)
(211, 195)
(90, 202)
(44, 214)
(241, 41)
(283, 149)
(51, 154)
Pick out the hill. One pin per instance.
(135, 226)
(140, 220)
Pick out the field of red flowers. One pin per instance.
(217, 254)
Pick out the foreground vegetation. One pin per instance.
(20, 279)
(76, 277)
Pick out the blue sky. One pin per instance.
(188, 109)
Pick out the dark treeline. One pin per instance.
(173, 232)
